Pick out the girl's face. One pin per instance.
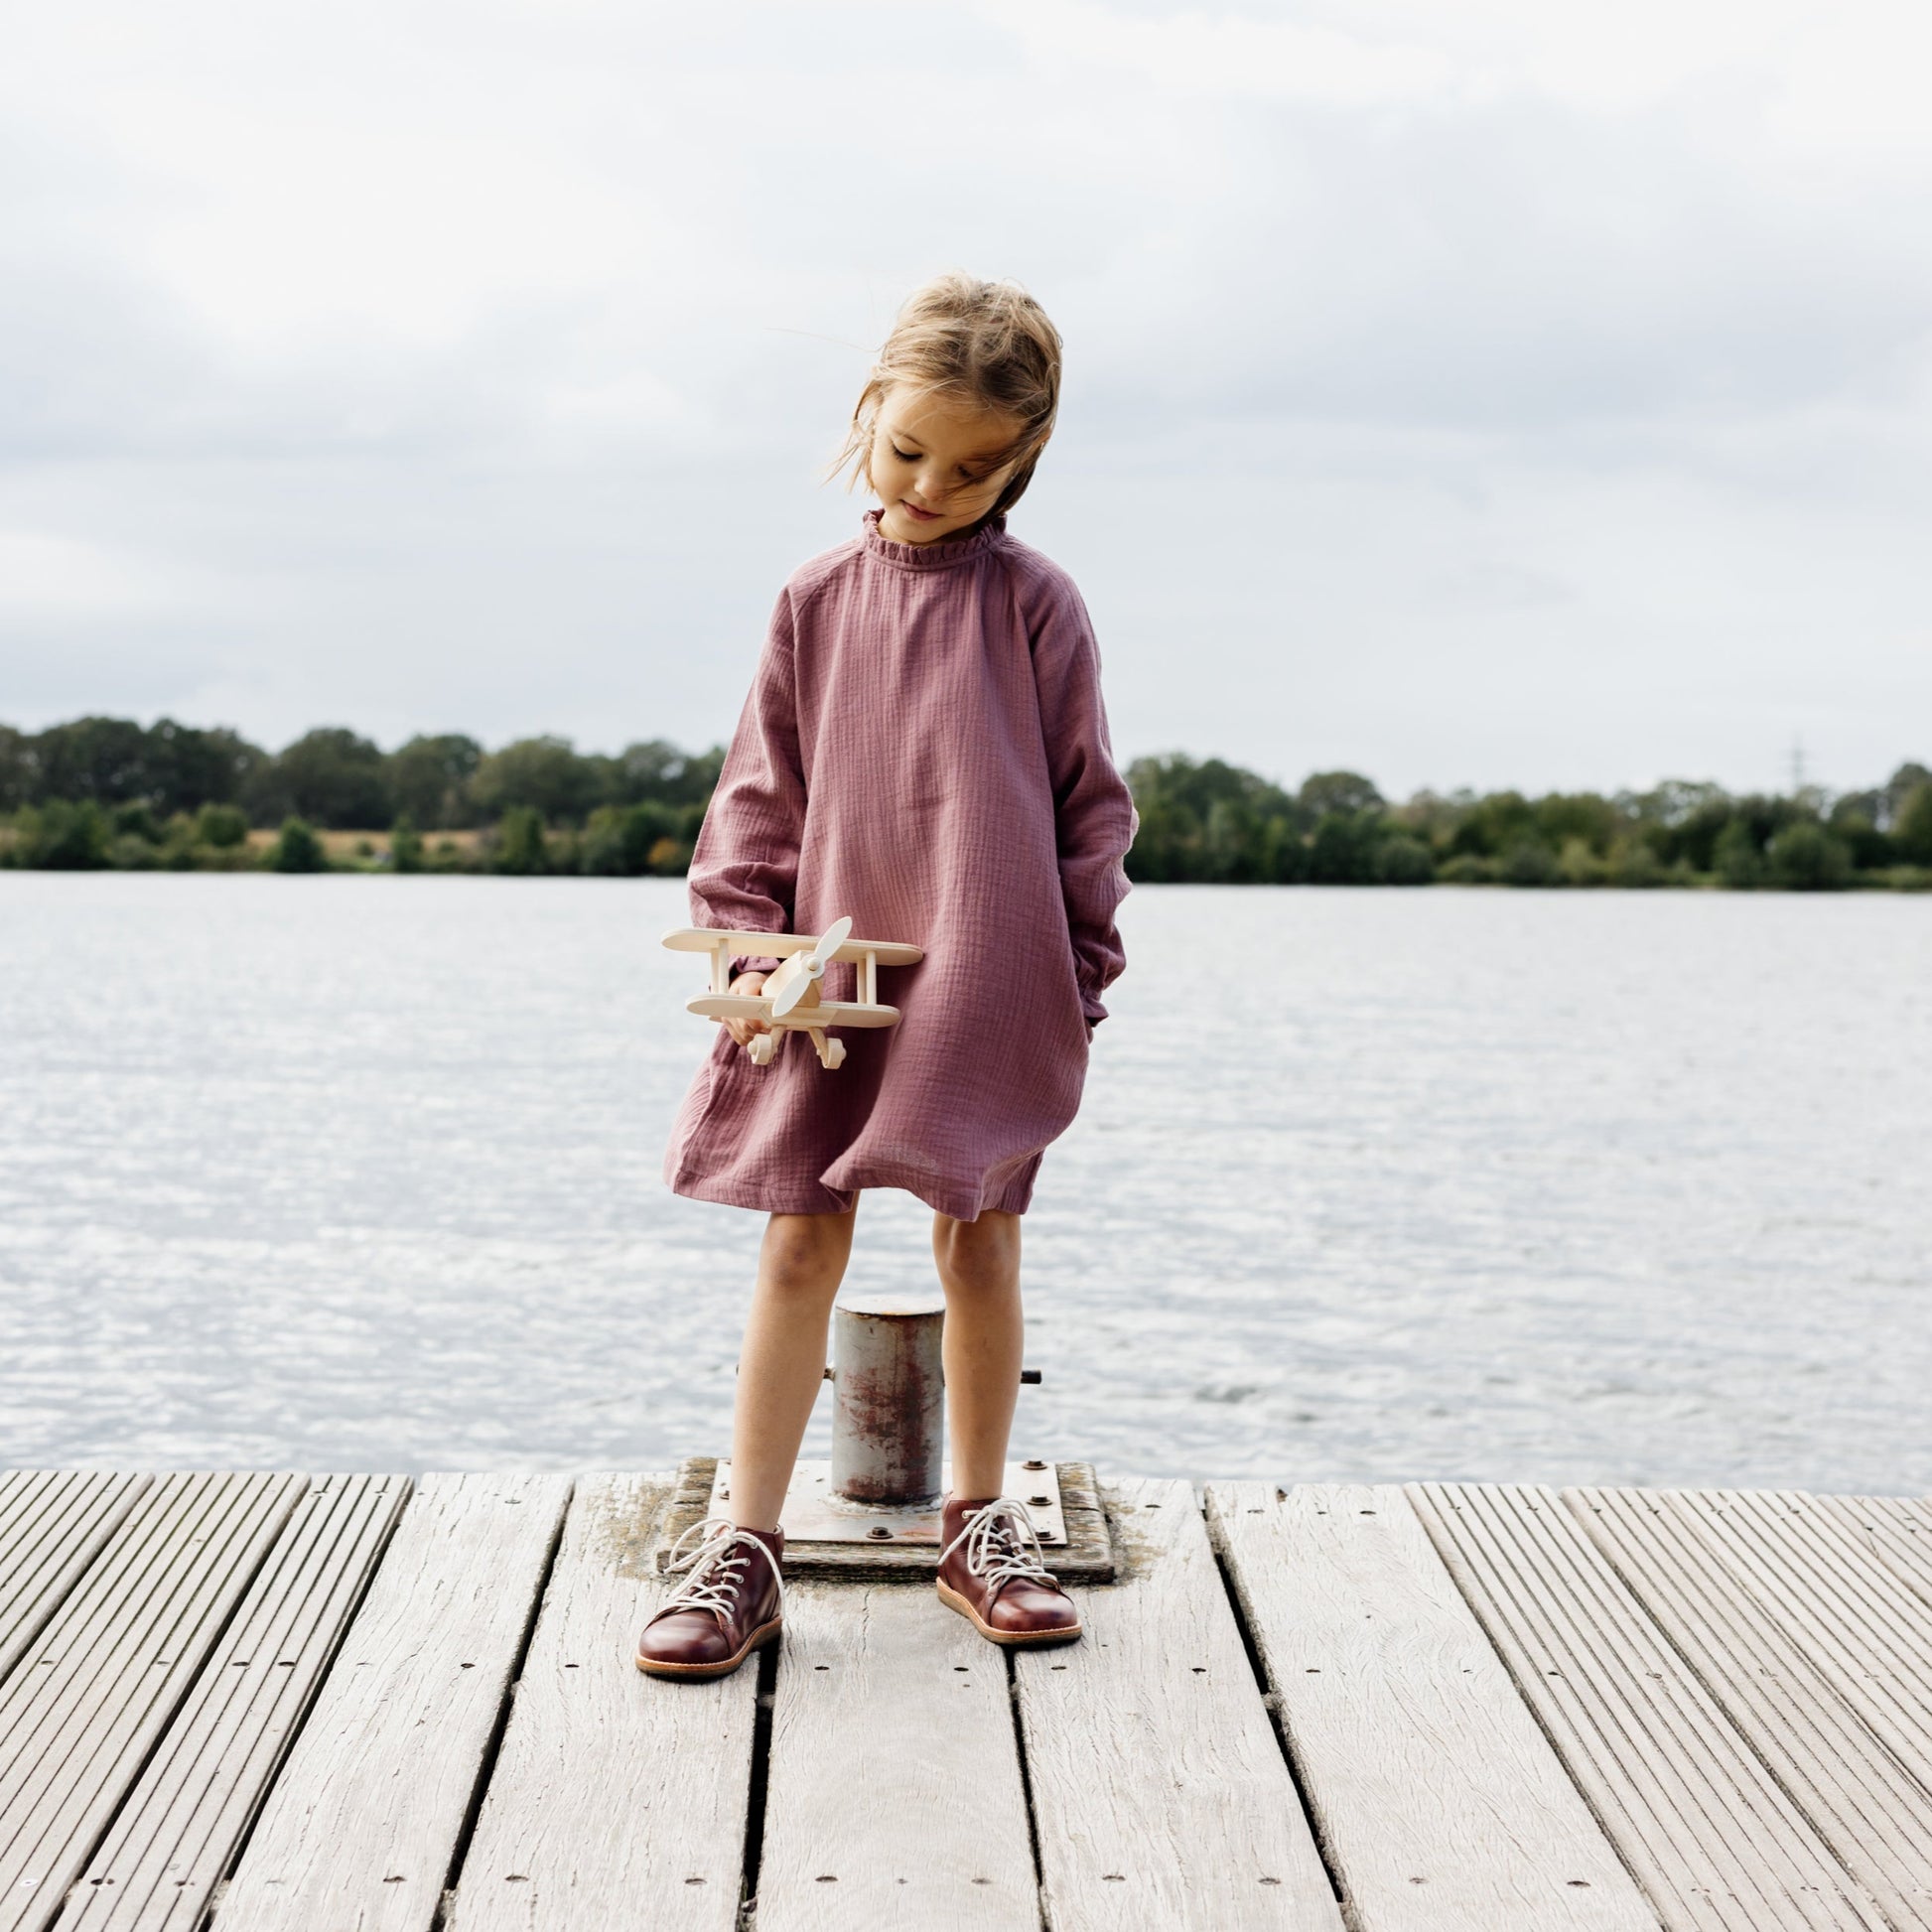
(928, 465)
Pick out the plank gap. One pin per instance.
(299, 1720)
(1572, 1620)
(165, 1735)
(1012, 1662)
(1277, 1719)
(54, 1526)
(229, 1513)
(760, 1782)
(1486, 1617)
(1684, 1557)
(487, 1765)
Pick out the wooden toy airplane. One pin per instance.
(789, 1001)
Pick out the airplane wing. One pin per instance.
(779, 945)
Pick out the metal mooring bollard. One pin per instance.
(888, 1397)
(889, 1415)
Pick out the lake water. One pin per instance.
(361, 1173)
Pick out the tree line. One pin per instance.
(1210, 820)
(109, 791)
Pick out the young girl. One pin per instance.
(924, 748)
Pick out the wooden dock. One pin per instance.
(361, 1704)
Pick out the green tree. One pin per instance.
(429, 776)
(61, 836)
(1494, 824)
(1869, 847)
(1580, 865)
(618, 840)
(405, 845)
(1529, 862)
(1634, 860)
(1345, 848)
(1161, 844)
(656, 771)
(1806, 857)
(167, 767)
(1212, 820)
(298, 849)
(104, 759)
(1736, 859)
(521, 844)
(1339, 792)
(542, 774)
(224, 827)
(1562, 817)
(1695, 837)
(1404, 861)
(19, 769)
(329, 776)
(1912, 834)
(1898, 790)
(189, 768)
(134, 820)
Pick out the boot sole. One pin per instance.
(764, 1634)
(1054, 1633)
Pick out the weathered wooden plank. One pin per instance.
(617, 1800)
(895, 1794)
(1440, 1805)
(1822, 1657)
(177, 1834)
(53, 1524)
(1864, 1630)
(1715, 1839)
(103, 1679)
(1160, 1793)
(361, 1825)
(1895, 1530)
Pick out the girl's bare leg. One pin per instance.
(979, 1267)
(801, 1263)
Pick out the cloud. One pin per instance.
(1488, 392)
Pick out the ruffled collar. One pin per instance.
(931, 556)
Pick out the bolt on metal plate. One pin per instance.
(814, 1513)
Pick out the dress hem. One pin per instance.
(1013, 1197)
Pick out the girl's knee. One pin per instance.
(985, 1251)
(805, 1253)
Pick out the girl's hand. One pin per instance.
(743, 1030)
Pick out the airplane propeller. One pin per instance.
(811, 966)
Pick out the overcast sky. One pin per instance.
(1484, 391)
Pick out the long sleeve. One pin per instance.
(1093, 810)
(744, 866)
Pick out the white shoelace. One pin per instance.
(715, 1565)
(989, 1556)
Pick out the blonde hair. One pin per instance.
(967, 341)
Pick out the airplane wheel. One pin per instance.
(835, 1052)
(762, 1046)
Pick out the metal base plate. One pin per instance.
(1086, 1557)
(814, 1513)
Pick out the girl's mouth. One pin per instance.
(919, 516)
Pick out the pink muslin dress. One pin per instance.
(925, 748)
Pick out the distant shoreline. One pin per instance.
(473, 854)
(112, 794)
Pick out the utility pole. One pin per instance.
(1797, 764)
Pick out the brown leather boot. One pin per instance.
(990, 1569)
(724, 1610)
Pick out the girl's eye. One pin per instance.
(905, 456)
